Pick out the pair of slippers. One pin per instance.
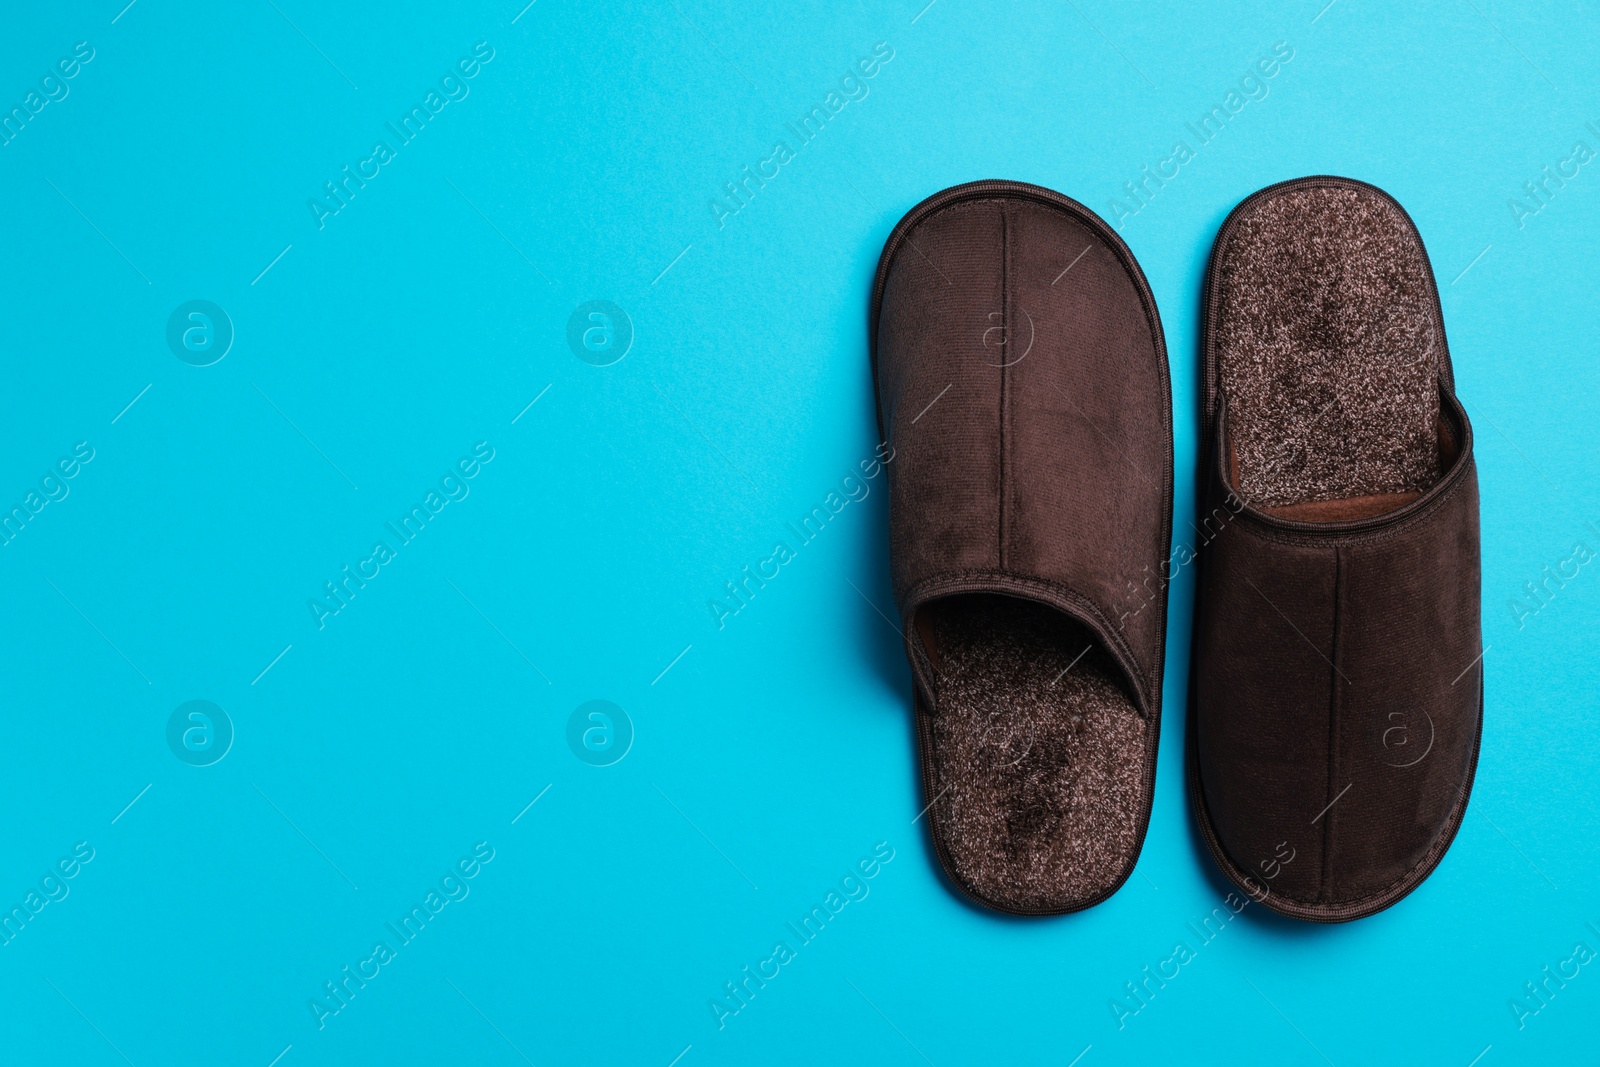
(1336, 696)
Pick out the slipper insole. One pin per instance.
(1038, 749)
(1328, 351)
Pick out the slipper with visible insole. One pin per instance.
(1022, 384)
(1337, 676)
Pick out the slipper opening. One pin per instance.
(1038, 753)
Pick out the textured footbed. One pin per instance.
(1038, 754)
(1327, 349)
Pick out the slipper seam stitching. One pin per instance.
(1326, 888)
(1005, 357)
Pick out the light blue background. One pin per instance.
(776, 751)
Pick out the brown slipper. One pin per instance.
(1337, 659)
(1022, 383)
